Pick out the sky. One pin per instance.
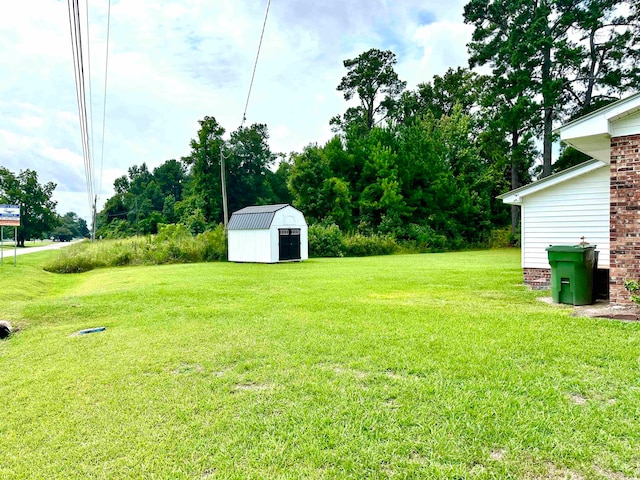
(172, 62)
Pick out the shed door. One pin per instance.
(289, 243)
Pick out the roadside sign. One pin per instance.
(9, 215)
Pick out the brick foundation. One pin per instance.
(625, 215)
(538, 278)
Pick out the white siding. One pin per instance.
(262, 246)
(289, 217)
(627, 125)
(561, 214)
(249, 246)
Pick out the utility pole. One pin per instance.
(223, 184)
(137, 216)
(93, 214)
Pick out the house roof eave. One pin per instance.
(514, 197)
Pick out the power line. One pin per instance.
(223, 182)
(255, 65)
(83, 97)
(104, 105)
(104, 116)
(93, 148)
(79, 76)
(86, 127)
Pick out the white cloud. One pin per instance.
(173, 62)
(443, 45)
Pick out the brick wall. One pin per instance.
(538, 278)
(625, 215)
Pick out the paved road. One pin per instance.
(8, 252)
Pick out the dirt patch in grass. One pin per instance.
(601, 309)
(209, 473)
(392, 403)
(251, 386)
(188, 368)
(497, 455)
(342, 370)
(612, 475)
(555, 473)
(577, 399)
(394, 375)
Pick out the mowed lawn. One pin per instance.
(405, 366)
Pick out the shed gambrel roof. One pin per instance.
(257, 217)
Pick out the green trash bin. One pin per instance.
(572, 272)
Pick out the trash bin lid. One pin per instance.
(570, 248)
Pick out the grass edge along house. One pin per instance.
(598, 199)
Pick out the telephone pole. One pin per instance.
(94, 216)
(223, 184)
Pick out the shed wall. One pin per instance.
(289, 217)
(561, 214)
(249, 246)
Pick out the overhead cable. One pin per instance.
(93, 147)
(79, 75)
(104, 105)
(255, 65)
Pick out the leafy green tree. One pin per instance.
(170, 178)
(507, 139)
(277, 184)
(76, 225)
(439, 97)
(373, 80)
(169, 209)
(341, 162)
(381, 198)
(610, 58)
(541, 46)
(248, 166)
(204, 163)
(196, 221)
(139, 200)
(37, 209)
(569, 157)
(338, 194)
(114, 210)
(62, 234)
(309, 171)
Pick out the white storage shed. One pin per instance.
(268, 234)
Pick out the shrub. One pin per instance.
(172, 231)
(213, 244)
(633, 286)
(503, 238)
(325, 241)
(358, 245)
(423, 238)
(74, 259)
(173, 244)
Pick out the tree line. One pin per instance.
(413, 164)
(423, 162)
(38, 217)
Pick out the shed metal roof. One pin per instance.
(257, 217)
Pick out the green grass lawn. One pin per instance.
(406, 366)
